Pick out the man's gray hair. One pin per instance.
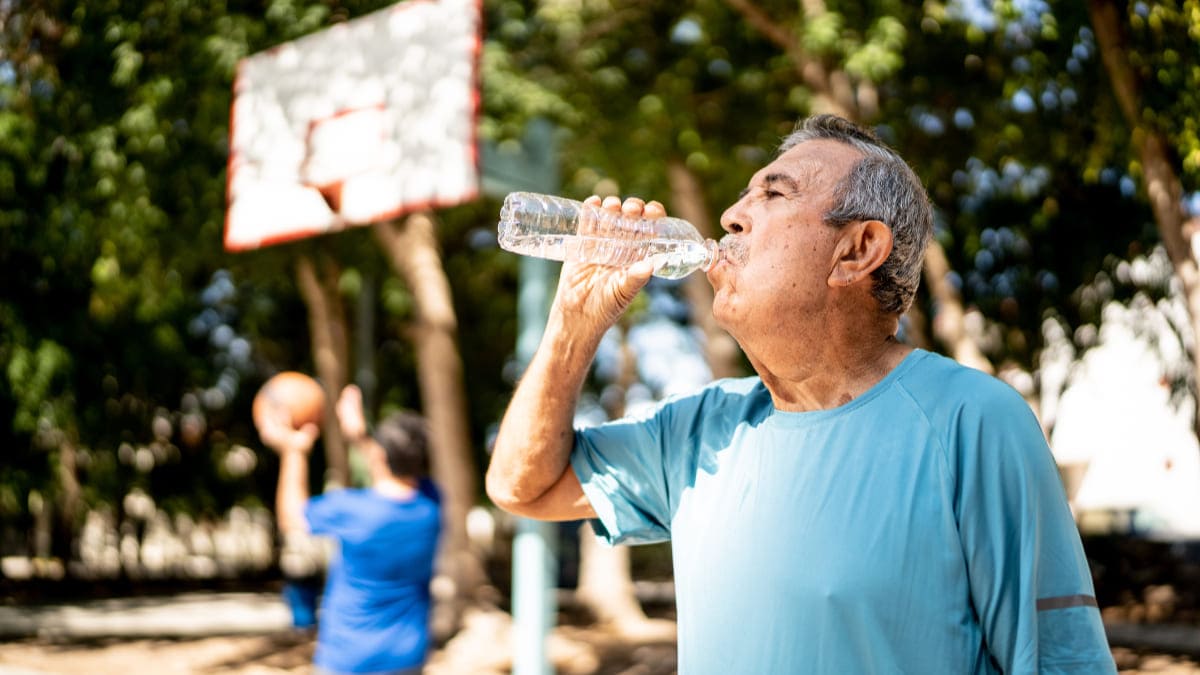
(880, 186)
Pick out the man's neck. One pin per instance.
(825, 372)
(394, 488)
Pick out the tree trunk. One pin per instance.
(605, 582)
(327, 330)
(413, 251)
(687, 198)
(69, 499)
(1163, 186)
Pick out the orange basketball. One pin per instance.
(300, 394)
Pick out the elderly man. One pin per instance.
(859, 506)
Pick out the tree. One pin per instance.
(1144, 56)
(413, 251)
(98, 223)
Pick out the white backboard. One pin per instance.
(358, 123)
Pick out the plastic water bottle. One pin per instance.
(550, 227)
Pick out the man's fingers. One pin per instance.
(351, 399)
(633, 206)
(654, 209)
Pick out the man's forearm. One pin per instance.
(533, 446)
(291, 494)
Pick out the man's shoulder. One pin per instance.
(970, 410)
(335, 497)
(936, 382)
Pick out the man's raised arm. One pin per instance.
(530, 472)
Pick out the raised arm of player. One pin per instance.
(293, 446)
(530, 472)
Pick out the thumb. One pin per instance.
(640, 271)
(635, 277)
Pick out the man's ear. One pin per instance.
(863, 247)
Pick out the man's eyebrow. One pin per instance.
(773, 178)
(789, 182)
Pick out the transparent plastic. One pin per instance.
(550, 227)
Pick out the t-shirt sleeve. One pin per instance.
(325, 513)
(621, 468)
(1029, 579)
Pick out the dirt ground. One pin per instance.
(480, 649)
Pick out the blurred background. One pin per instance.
(1059, 141)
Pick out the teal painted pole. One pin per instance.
(535, 562)
(532, 167)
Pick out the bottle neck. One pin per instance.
(714, 254)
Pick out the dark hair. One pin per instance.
(880, 186)
(405, 442)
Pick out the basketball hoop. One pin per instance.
(358, 123)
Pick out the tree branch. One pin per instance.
(833, 93)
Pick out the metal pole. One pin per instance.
(535, 564)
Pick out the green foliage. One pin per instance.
(113, 144)
(31, 375)
(1166, 36)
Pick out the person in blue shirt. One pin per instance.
(374, 615)
(858, 506)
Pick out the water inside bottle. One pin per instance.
(673, 259)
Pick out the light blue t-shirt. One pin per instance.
(375, 612)
(920, 528)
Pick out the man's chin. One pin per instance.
(722, 313)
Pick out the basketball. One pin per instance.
(300, 394)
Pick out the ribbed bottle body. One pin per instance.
(555, 228)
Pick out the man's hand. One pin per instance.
(276, 431)
(594, 296)
(350, 414)
(530, 472)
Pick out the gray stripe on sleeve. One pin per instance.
(1065, 601)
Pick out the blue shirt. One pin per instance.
(375, 612)
(920, 528)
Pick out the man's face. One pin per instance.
(789, 252)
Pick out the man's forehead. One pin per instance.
(803, 174)
(810, 164)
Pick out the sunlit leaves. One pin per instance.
(296, 18)
(32, 372)
(881, 56)
(1166, 39)
(512, 99)
(825, 34)
(127, 62)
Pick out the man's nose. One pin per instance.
(733, 219)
